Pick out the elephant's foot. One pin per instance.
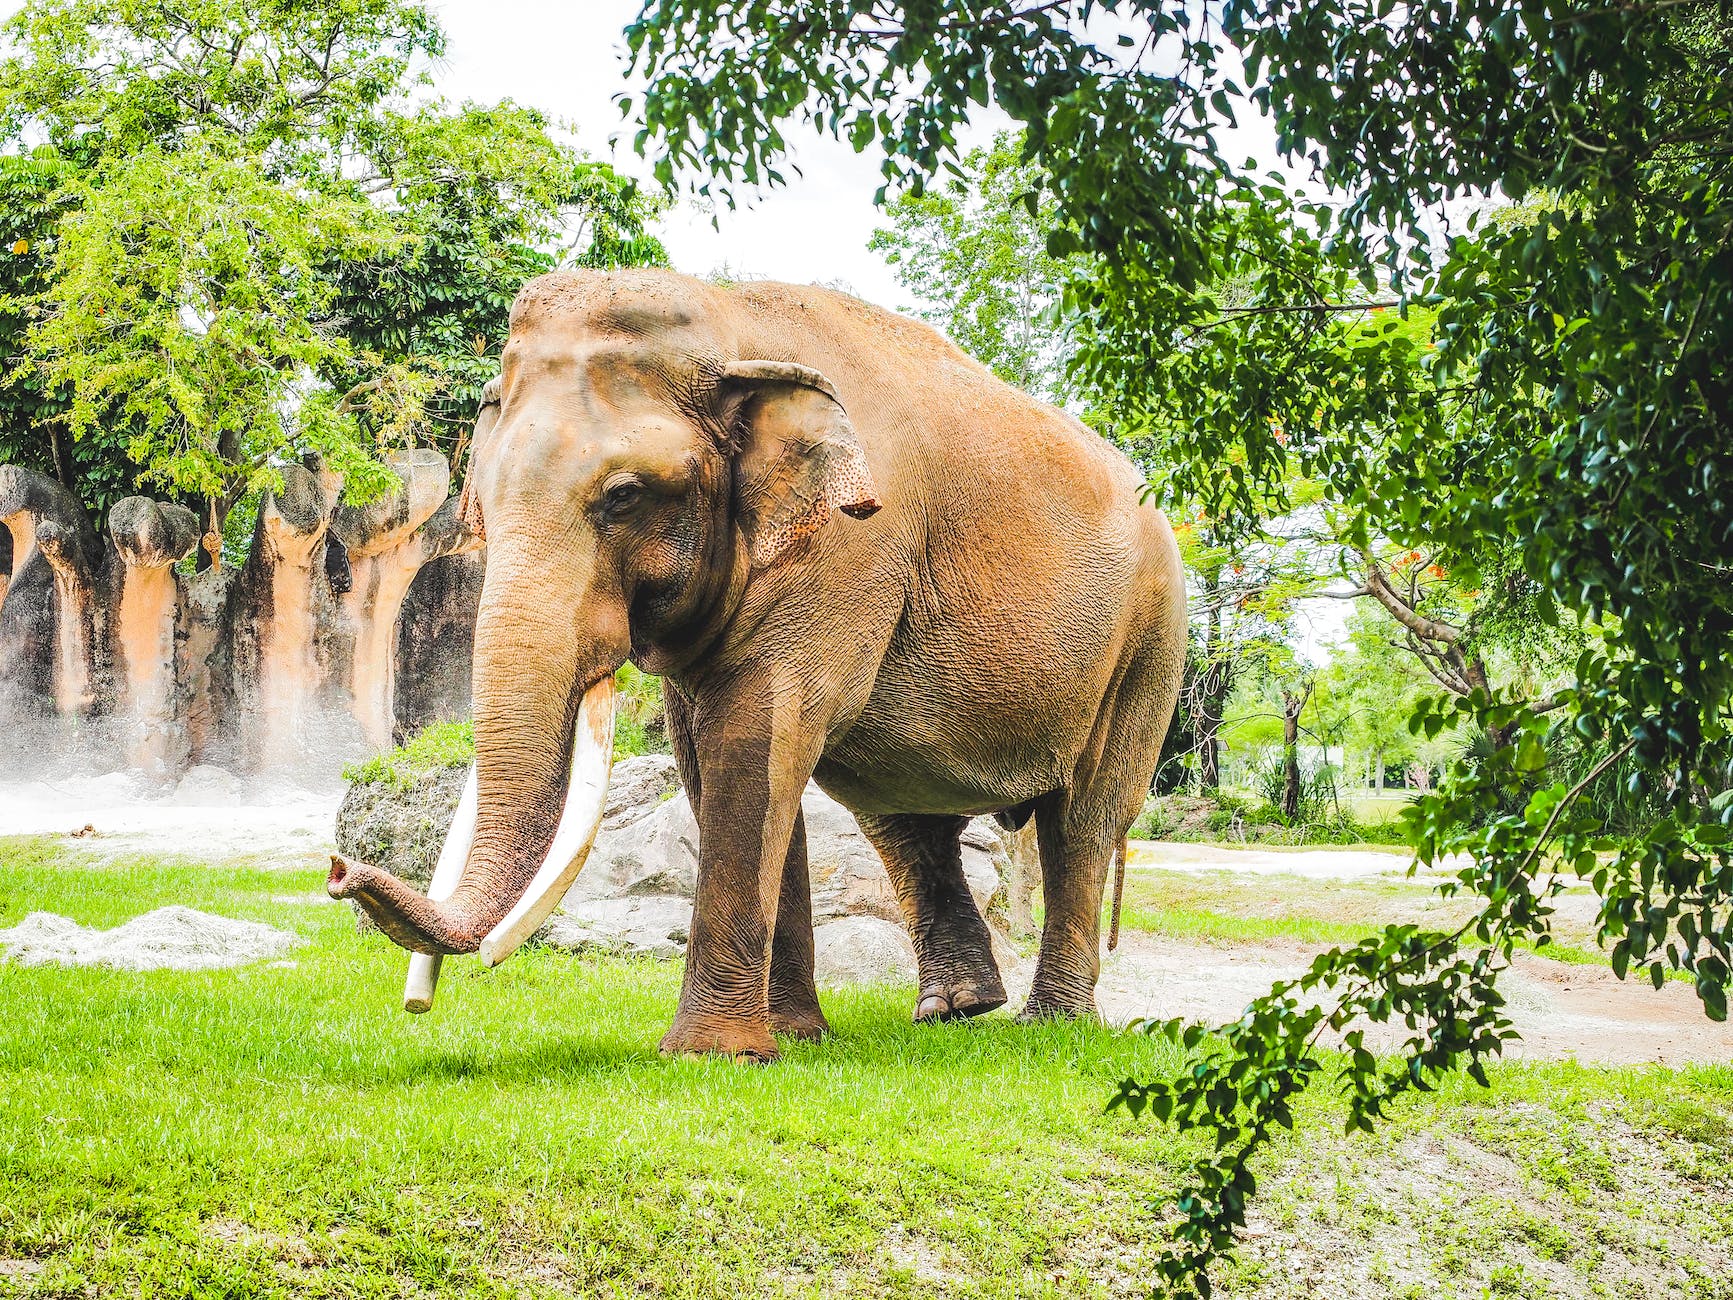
(794, 1008)
(805, 1023)
(959, 977)
(747, 1041)
(957, 999)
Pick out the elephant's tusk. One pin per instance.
(459, 836)
(586, 799)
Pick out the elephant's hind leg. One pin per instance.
(1080, 829)
(953, 951)
(1077, 846)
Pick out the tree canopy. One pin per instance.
(245, 232)
(976, 257)
(1563, 423)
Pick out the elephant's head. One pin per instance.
(635, 474)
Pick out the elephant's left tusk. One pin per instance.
(453, 854)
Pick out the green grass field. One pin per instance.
(285, 1130)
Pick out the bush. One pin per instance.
(1229, 817)
(439, 745)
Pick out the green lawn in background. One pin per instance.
(288, 1131)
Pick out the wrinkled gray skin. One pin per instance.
(855, 555)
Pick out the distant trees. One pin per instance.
(241, 232)
(974, 249)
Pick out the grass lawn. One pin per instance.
(285, 1130)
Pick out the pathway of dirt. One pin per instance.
(1562, 1010)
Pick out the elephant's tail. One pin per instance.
(1118, 893)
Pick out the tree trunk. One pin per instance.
(1209, 769)
(1379, 787)
(1292, 704)
(1213, 684)
(63, 467)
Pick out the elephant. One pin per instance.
(854, 555)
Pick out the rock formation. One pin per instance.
(113, 653)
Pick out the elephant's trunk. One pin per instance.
(542, 758)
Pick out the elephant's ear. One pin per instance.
(796, 457)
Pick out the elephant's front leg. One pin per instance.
(794, 1008)
(754, 765)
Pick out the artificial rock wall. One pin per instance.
(320, 647)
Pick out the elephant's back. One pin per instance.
(927, 411)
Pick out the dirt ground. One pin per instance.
(1561, 1010)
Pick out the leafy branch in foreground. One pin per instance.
(1568, 406)
(1244, 1075)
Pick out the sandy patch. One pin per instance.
(1312, 864)
(1562, 1011)
(170, 938)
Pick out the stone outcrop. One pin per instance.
(862, 950)
(436, 642)
(400, 828)
(634, 895)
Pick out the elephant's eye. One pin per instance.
(622, 497)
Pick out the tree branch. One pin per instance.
(1421, 626)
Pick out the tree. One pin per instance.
(976, 254)
(1245, 591)
(1574, 411)
(1370, 688)
(262, 239)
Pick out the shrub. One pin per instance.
(439, 745)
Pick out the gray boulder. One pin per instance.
(399, 828)
(849, 879)
(655, 852)
(402, 828)
(652, 926)
(637, 787)
(862, 950)
(635, 893)
(208, 786)
(658, 854)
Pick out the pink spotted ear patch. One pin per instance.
(801, 492)
(852, 489)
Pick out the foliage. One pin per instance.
(185, 293)
(976, 257)
(443, 298)
(640, 720)
(264, 237)
(436, 747)
(1569, 408)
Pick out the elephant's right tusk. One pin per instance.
(459, 836)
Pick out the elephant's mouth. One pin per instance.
(457, 915)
